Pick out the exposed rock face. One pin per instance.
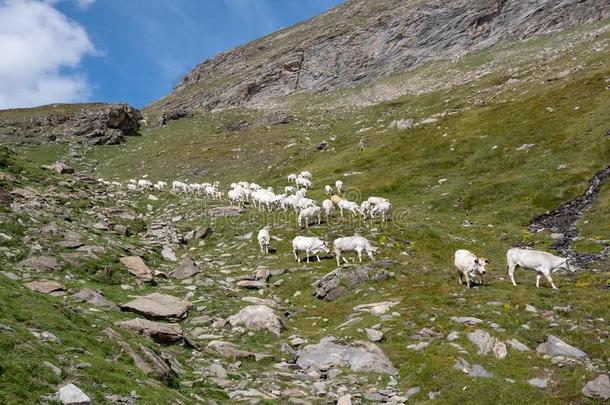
(360, 41)
(95, 124)
(157, 305)
(361, 356)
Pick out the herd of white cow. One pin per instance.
(294, 197)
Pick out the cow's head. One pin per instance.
(481, 262)
(325, 248)
(567, 266)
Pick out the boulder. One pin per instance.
(94, 298)
(476, 370)
(158, 306)
(374, 335)
(72, 395)
(224, 211)
(168, 254)
(41, 263)
(598, 388)
(136, 266)
(61, 168)
(188, 268)
(340, 281)
(487, 343)
(231, 351)
(256, 318)
(360, 357)
(164, 333)
(469, 320)
(556, 347)
(251, 284)
(45, 286)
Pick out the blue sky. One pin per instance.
(130, 51)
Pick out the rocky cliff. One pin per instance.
(363, 40)
(95, 124)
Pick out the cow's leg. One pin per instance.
(317, 257)
(307, 254)
(547, 274)
(538, 275)
(467, 277)
(338, 256)
(459, 277)
(296, 257)
(359, 255)
(511, 272)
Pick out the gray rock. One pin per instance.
(476, 370)
(538, 382)
(251, 284)
(340, 281)
(136, 266)
(530, 308)
(54, 369)
(168, 254)
(45, 286)
(556, 347)
(515, 344)
(598, 388)
(231, 351)
(345, 399)
(453, 336)
(224, 211)
(188, 268)
(412, 391)
(159, 332)
(256, 318)
(487, 343)
(360, 356)
(72, 395)
(41, 263)
(157, 305)
(469, 320)
(93, 298)
(374, 335)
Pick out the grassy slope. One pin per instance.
(497, 189)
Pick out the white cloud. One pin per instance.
(84, 4)
(38, 44)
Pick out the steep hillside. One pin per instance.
(504, 146)
(361, 41)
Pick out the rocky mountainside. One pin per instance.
(95, 123)
(364, 40)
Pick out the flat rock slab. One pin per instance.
(556, 347)
(360, 356)
(598, 388)
(188, 268)
(163, 333)
(41, 263)
(137, 267)
(45, 286)
(160, 306)
(257, 318)
(231, 351)
(224, 211)
(377, 308)
(468, 320)
(342, 280)
(251, 284)
(94, 298)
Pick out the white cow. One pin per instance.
(144, 184)
(328, 190)
(377, 200)
(354, 243)
(327, 206)
(263, 238)
(349, 206)
(468, 265)
(307, 214)
(365, 209)
(308, 245)
(384, 209)
(290, 189)
(303, 182)
(180, 187)
(292, 177)
(305, 174)
(542, 263)
(339, 186)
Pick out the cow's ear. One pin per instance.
(486, 261)
(476, 261)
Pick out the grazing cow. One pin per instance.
(290, 189)
(328, 190)
(303, 182)
(349, 206)
(307, 214)
(354, 243)
(384, 209)
(377, 200)
(144, 184)
(542, 263)
(235, 197)
(263, 238)
(308, 245)
(327, 206)
(179, 187)
(305, 174)
(468, 265)
(365, 209)
(336, 199)
(292, 177)
(339, 186)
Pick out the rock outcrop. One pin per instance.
(357, 42)
(94, 124)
